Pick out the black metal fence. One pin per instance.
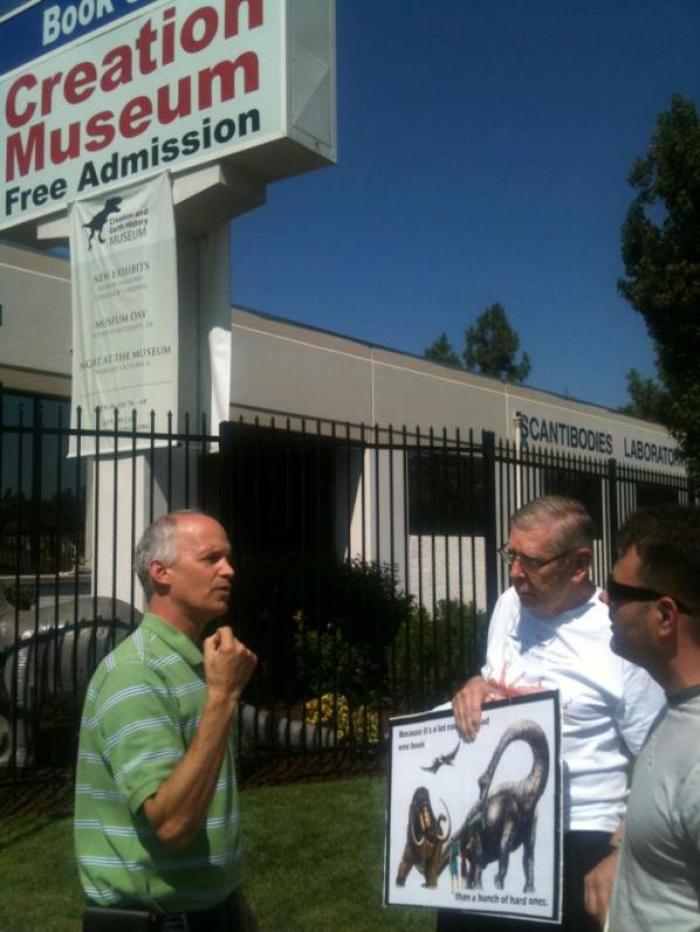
(366, 561)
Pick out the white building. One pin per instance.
(406, 479)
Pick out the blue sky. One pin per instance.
(483, 154)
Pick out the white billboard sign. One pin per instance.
(477, 826)
(125, 313)
(169, 87)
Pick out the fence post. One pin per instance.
(37, 437)
(225, 478)
(488, 447)
(612, 510)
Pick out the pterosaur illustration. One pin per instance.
(442, 759)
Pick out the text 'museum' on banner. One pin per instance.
(125, 312)
(477, 826)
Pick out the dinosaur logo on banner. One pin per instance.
(97, 224)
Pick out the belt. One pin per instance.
(120, 919)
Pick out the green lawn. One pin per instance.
(314, 863)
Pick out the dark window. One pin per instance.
(445, 493)
(648, 493)
(42, 492)
(25, 409)
(584, 487)
(283, 490)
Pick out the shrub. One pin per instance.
(433, 655)
(333, 710)
(21, 596)
(318, 624)
(328, 664)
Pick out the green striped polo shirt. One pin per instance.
(141, 711)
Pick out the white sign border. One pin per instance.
(445, 715)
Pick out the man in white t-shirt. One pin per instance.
(653, 595)
(550, 630)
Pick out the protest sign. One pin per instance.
(477, 826)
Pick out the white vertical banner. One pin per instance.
(125, 313)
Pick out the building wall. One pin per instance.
(35, 334)
(278, 366)
(448, 569)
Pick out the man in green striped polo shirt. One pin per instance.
(156, 812)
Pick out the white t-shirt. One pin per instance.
(608, 704)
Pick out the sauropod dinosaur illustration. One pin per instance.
(503, 820)
(425, 839)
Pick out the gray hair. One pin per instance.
(574, 526)
(159, 542)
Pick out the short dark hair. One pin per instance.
(667, 539)
(574, 526)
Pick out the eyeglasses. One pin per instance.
(618, 593)
(529, 564)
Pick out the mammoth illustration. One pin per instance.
(499, 823)
(425, 840)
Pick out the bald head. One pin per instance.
(159, 542)
(183, 561)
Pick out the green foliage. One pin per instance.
(443, 351)
(21, 596)
(41, 540)
(661, 254)
(340, 640)
(491, 347)
(433, 655)
(63, 512)
(648, 399)
(359, 723)
(427, 656)
(350, 611)
(369, 604)
(327, 663)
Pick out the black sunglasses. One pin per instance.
(618, 593)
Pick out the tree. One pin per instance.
(648, 399)
(661, 255)
(491, 347)
(443, 351)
